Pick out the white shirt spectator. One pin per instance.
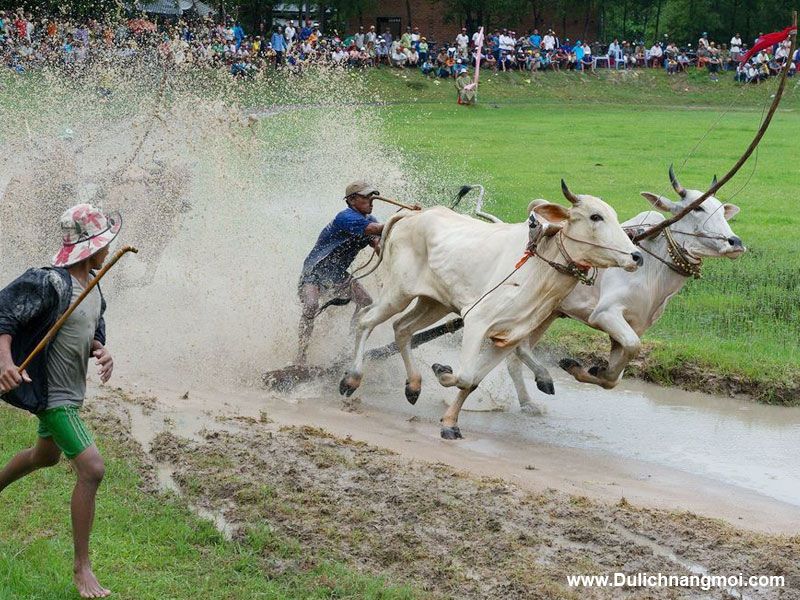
(781, 52)
(289, 33)
(371, 36)
(475, 37)
(548, 42)
(506, 42)
(736, 44)
(462, 40)
(656, 51)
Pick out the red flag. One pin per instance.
(769, 40)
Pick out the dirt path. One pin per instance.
(475, 520)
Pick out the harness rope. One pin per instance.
(583, 273)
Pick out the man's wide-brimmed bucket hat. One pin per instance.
(86, 231)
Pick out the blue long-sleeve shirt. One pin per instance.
(278, 42)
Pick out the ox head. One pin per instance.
(592, 233)
(707, 233)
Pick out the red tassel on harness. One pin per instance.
(524, 259)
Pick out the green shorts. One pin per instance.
(67, 429)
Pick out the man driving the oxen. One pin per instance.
(325, 267)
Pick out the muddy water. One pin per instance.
(728, 440)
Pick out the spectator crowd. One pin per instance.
(27, 42)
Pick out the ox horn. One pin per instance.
(714, 181)
(567, 194)
(675, 183)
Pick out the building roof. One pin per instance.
(174, 7)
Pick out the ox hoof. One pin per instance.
(412, 395)
(349, 384)
(440, 370)
(451, 433)
(596, 371)
(569, 365)
(532, 409)
(546, 387)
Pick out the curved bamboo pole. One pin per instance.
(725, 178)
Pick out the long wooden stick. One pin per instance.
(54, 329)
(725, 178)
(400, 204)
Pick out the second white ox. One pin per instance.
(626, 305)
(452, 263)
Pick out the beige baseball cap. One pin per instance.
(362, 188)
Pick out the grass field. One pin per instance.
(614, 139)
(176, 554)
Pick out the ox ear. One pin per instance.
(661, 203)
(731, 210)
(533, 204)
(554, 214)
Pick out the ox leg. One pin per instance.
(514, 367)
(543, 379)
(425, 312)
(371, 317)
(625, 346)
(478, 357)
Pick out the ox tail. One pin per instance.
(387, 228)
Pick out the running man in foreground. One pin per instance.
(325, 268)
(54, 385)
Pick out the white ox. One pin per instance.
(452, 263)
(626, 305)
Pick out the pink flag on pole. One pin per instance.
(479, 48)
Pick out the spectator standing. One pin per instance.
(278, 43)
(536, 39)
(290, 33)
(549, 41)
(371, 37)
(476, 38)
(423, 49)
(736, 47)
(306, 31)
(387, 37)
(713, 62)
(416, 36)
(614, 52)
(238, 34)
(405, 39)
(462, 44)
(359, 38)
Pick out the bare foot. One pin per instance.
(87, 584)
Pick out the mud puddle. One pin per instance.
(727, 440)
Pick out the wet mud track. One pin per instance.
(311, 494)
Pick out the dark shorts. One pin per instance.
(333, 280)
